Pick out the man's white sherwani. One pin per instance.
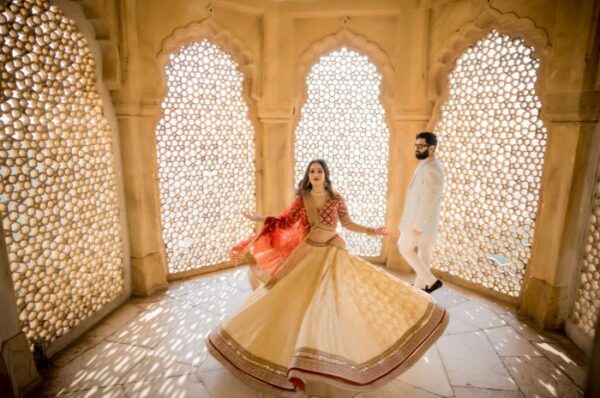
(422, 212)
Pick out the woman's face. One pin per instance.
(316, 175)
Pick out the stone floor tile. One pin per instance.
(538, 377)
(103, 330)
(122, 315)
(464, 392)
(323, 390)
(97, 392)
(476, 314)
(155, 346)
(170, 387)
(204, 296)
(499, 307)
(471, 361)
(397, 389)
(428, 374)
(571, 360)
(222, 384)
(210, 364)
(152, 325)
(509, 343)
(457, 325)
(196, 319)
(89, 340)
(183, 345)
(527, 329)
(447, 297)
(226, 309)
(153, 367)
(103, 365)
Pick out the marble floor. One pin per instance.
(154, 347)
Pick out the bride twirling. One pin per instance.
(323, 317)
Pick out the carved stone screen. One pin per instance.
(492, 144)
(58, 192)
(343, 122)
(587, 302)
(205, 158)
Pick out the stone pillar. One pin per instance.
(137, 113)
(18, 373)
(547, 287)
(402, 164)
(138, 152)
(278, 166)
(570, 110)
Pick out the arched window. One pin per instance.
(492, 143)
(59, 202)
(206, 156)
(343, 122)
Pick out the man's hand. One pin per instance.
(383, 231)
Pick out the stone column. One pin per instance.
(138, 151)
(546, 288)
(278, 166)
(570, 110)
(18, 373)
(402, 164)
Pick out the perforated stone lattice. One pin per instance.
(492, 143)
(58, 194)
(206, 158)
(587, 302)
(343, 122)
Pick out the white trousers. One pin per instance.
(416, 249)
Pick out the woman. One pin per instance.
(324, 318)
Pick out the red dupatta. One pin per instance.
(278, 238)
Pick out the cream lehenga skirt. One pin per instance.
(334, 319)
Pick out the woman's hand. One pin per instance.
(383, 231)
(253, 216)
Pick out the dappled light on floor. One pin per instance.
(154, 347)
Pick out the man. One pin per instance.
(420, 218)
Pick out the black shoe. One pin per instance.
(433, 287)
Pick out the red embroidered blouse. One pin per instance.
(280, 235)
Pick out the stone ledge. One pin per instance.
(18, 373)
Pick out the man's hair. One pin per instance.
(430, 138)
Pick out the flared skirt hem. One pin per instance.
(291, 381)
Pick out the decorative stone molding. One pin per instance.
(355, 41)
(217, 34)
(110, 54)
(468, 34)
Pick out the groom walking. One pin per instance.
(421, 212)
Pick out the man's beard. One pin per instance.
(422, 155)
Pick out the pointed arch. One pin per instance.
(380, 64)
(209, 36)
(470, 33)
(217, 34)
(510, 258)
(354, 41)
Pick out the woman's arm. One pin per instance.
(288, 217)
(253, 216)
(354, 227)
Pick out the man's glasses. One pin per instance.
(421, 146)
